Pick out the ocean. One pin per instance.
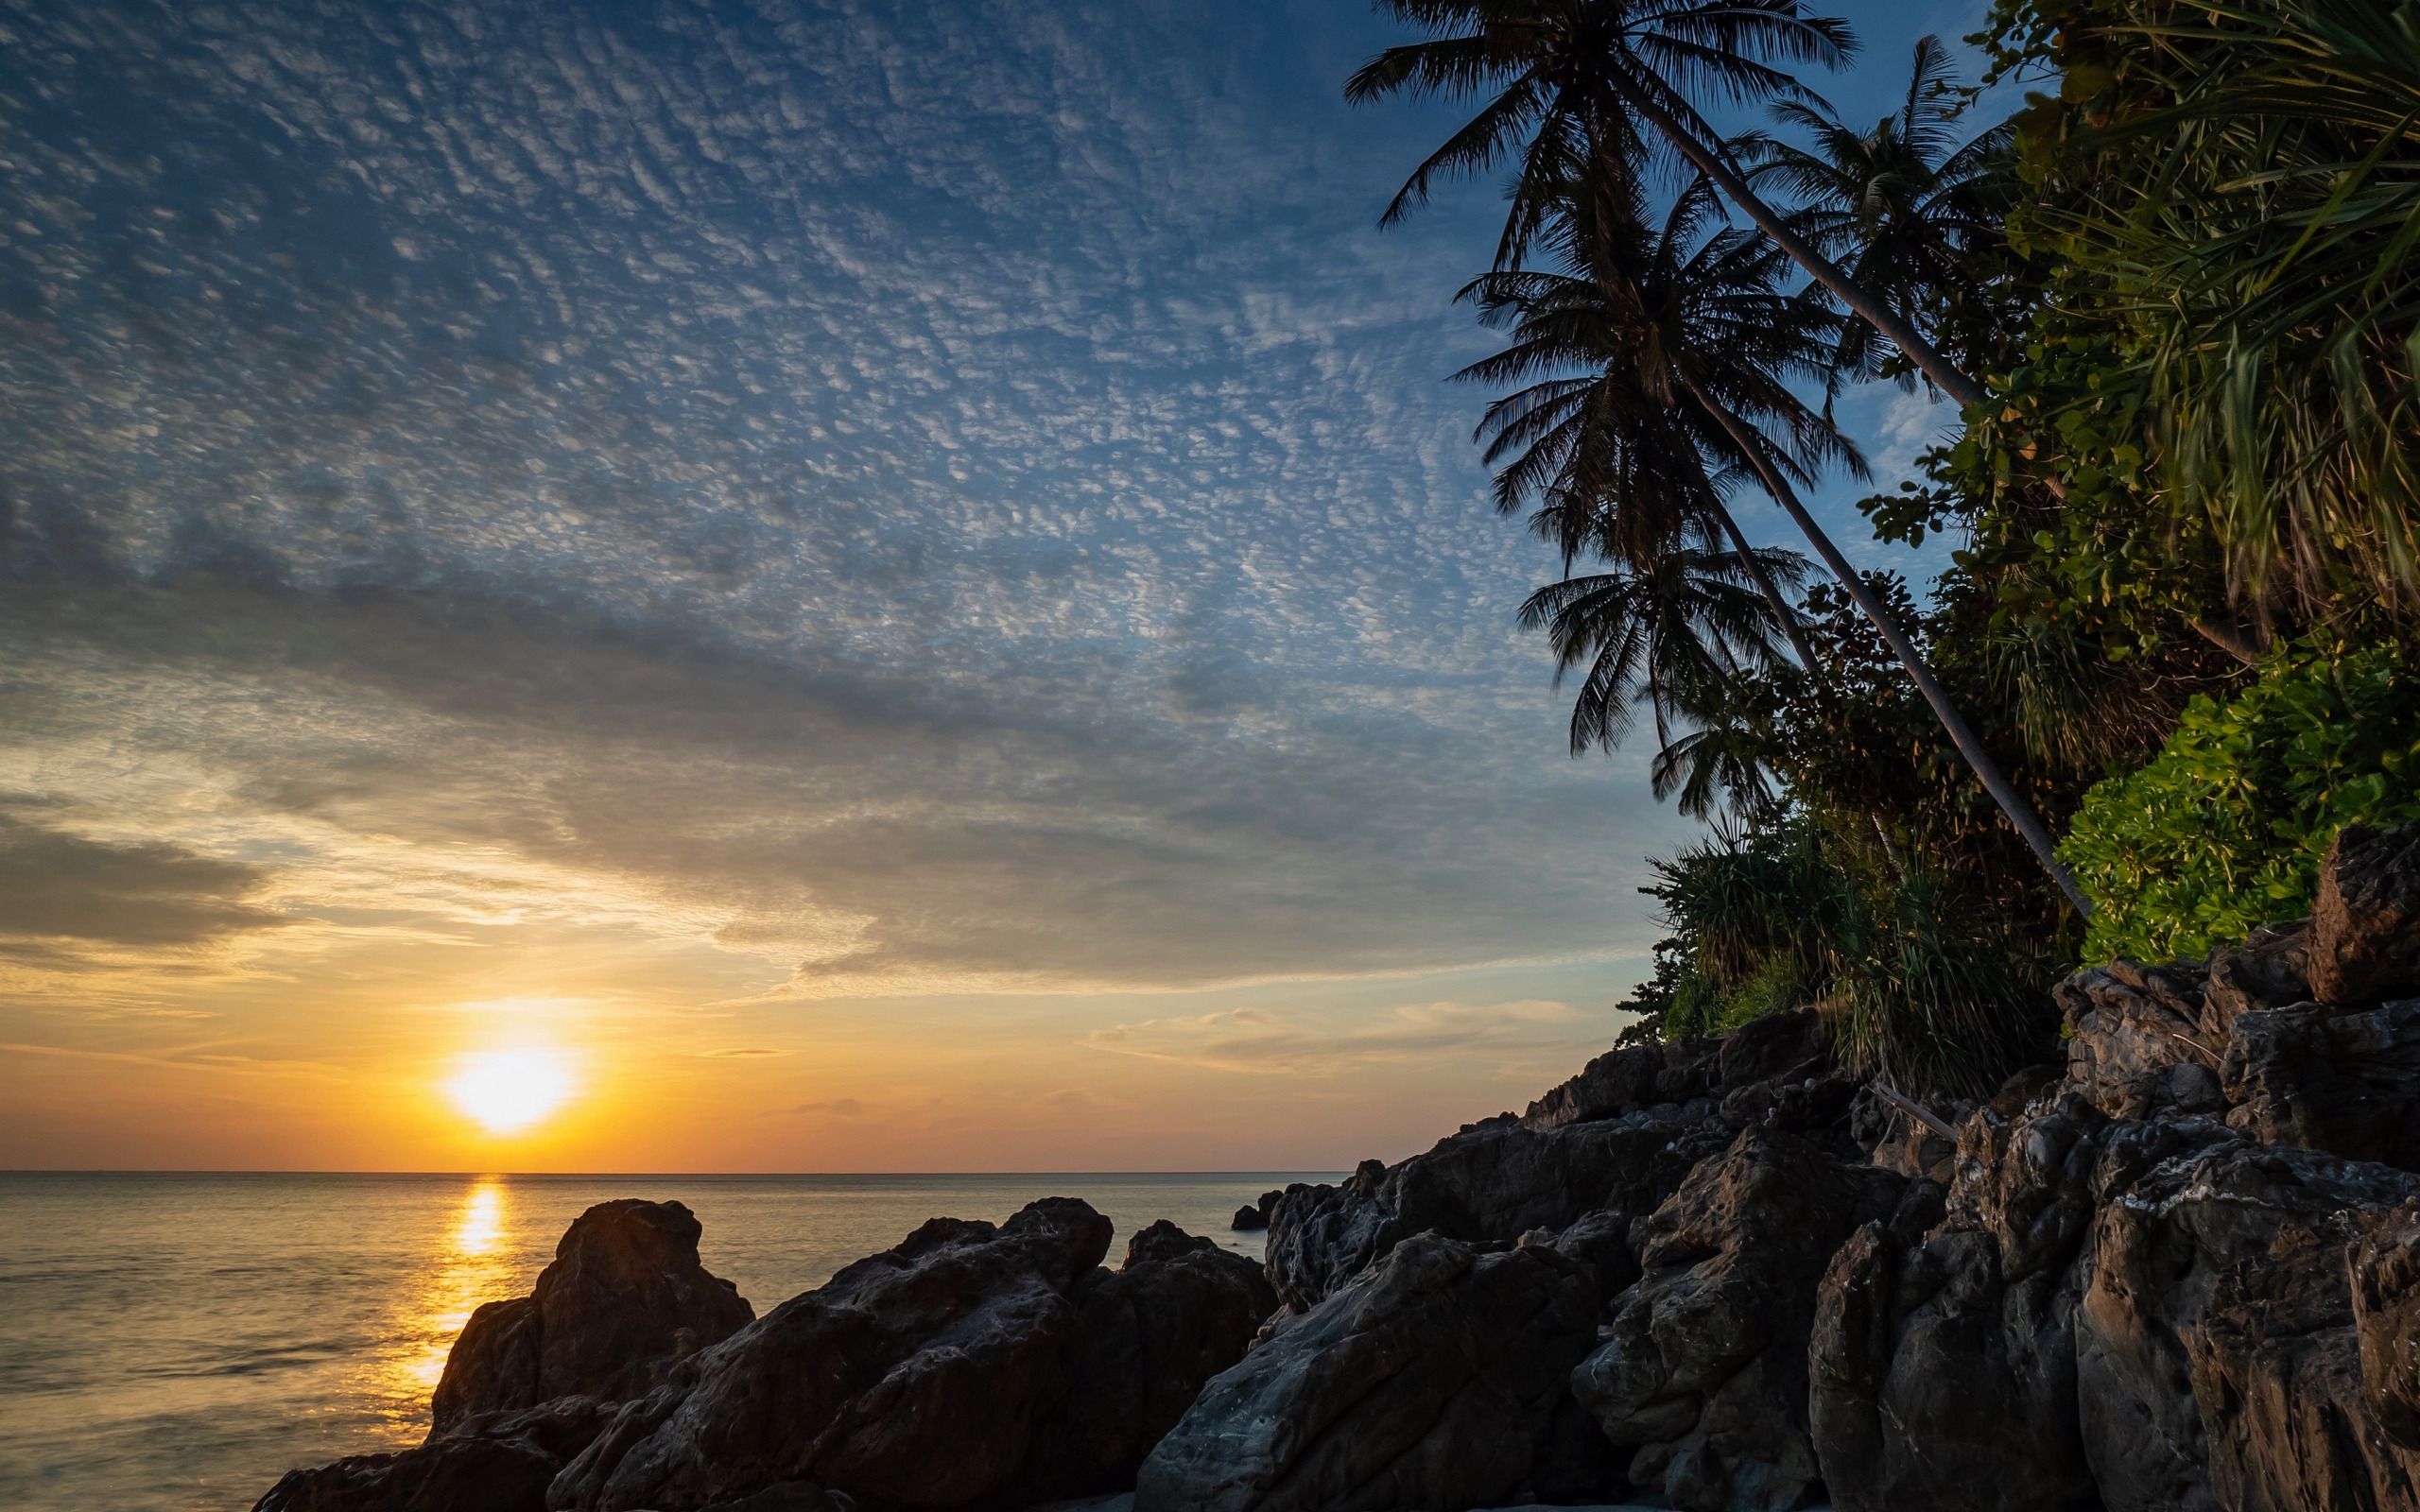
(178, 1341)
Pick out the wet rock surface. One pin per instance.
(492, 1461)
(1440, 1378)
(624, 1298)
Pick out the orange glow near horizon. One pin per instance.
(508, 1090)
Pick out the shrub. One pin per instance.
(2225, 828)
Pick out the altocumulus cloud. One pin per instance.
(910, 498)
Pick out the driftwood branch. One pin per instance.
(1912, 1109)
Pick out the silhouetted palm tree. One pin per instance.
(1686, 351)
(1623, 461)
(1602, 90)
(1905, 206)
(1673, 636)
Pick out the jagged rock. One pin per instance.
(1779, 1047)
(1599, 1241)
(2328, 1079)
(492, 1461)
(2277, 1376)
(2127, 1026)
(2365, 924)
(1147, 1337)
(1617, 1082)
(969, 1364)
(2267, 970)
(1493, 1183)
(1619, 1135)
(1254, 1216)
(1433, 1380)
(1942, 1364)
(2383, 1271)
(1702, 1372)
(624, 1298)
(2191, 1216)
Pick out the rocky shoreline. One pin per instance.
(2177, 1270)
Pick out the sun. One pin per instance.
(509, 1090)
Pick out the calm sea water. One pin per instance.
(178, 1341)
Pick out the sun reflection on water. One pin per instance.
(470, 1262)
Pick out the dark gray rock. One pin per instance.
(2267, 970)
(1147, 1337)
(492, 1461)
(2193, 1216)
(2347, 1081)
(1617, 1082)
(2277, 1376)
(1702, 1375)
(1943, 1358)
(1491, 1184)
(968, 1366)
(2127, 1027)
(624, 1300)
(2365, 924)
(1436, 1379)
(913, 1378)
(2383, 1276)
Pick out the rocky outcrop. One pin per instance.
(2365, 924)
(1148, 1335)
(1619, 1138)
(2342, 1080)
(1943, 1358)
(1436, 1379)
(2270, 969)
(2190, 1383)
(1701, 1376)
(1254, 1215)
(2383, 1275)
(494, 1462)
(969, 1364)
(2135, 1040)
(624, 1298)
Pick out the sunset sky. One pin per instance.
(878, 586)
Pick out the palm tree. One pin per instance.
(1904, 206)
(1605, 87)
(1690, 349)
(1619, 468)
(1674, 636)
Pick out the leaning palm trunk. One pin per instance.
(1929, 359)
(2020, 814)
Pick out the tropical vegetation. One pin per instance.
(2171, 298)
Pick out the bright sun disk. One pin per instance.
(508, 1089)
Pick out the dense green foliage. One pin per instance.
(2179, 278)
(2225, 828)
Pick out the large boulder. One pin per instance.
(2365, 924)
(2347, 1081)
(2203, 1377)
(494, 1462)
(1436, 1379)
(2383, 1272)
(970, 1365)
(1619, 1137)
(1148, 1335)
(2135, 1044)
(624, 1300)
(1702, 1375)
(2270, 969)
(1943, 1362)
(2277, 1376)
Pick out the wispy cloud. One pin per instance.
(1256, 1040)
